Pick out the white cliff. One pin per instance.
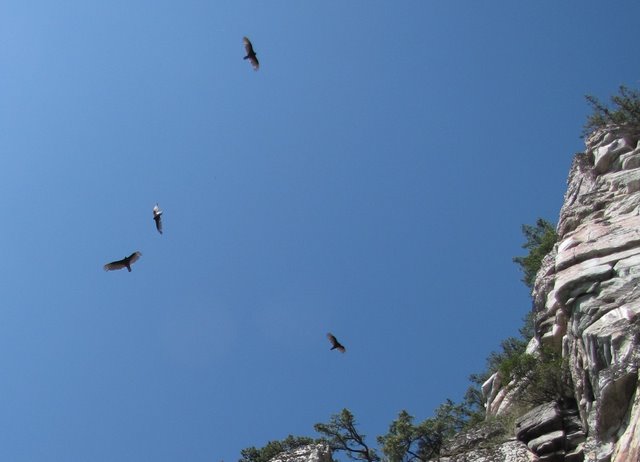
(587, 305)
(591, 294)
(319, 452)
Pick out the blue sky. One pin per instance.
(369, 180)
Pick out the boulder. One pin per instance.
(508, 451)
(541, 420)
(309, 453)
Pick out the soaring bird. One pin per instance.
(335, 344)
(251, 55)
(156, 217)
(126, 262)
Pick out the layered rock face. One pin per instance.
(587, 296)
(587, 306)
(587, 300)
(553, 431)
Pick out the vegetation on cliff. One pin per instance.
(539, 242)
(273, 448)
(625, 110)
(409, 442)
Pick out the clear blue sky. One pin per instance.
(369, 180)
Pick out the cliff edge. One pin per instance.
(587, 307)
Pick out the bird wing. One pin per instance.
(251, 54)
(156, 211)
(248, 46)
(115, 265)
(335, 344)
(134, 257)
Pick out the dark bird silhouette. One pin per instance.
(156, 217)
(335, 345)
(126, 262)
(251, 55)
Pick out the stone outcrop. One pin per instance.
(309, 453)
(588, 302)
(508, 451)
(487, 443)
(587, 306)
(553, 432)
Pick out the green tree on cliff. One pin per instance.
(625, 111)
(342, 435)
(409, 442)
(539, 242)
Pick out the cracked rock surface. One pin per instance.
(587, 306)
(587, 299)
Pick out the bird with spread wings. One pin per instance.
(335, 345)
(251, 54)
(157, 218)
(126, 262)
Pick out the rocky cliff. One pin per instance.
(587, 306)
(310, 453)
